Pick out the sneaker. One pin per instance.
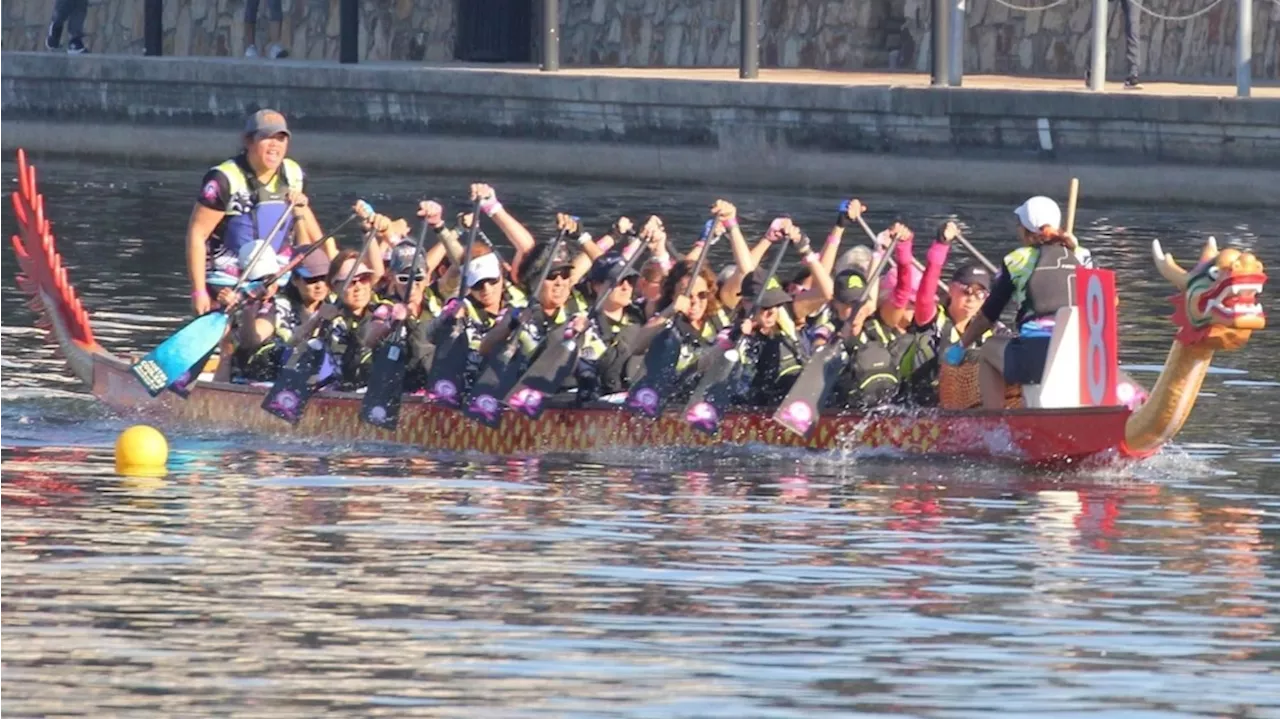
(277, 51)
(53, 38)
(251, 51)
(76, 46)
(1132, 84)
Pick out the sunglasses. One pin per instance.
(978, 292)
(362, 279)
(703, 295)
(484, 284)
(561, 274)
(404, 279)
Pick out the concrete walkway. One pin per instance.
(1268, 90)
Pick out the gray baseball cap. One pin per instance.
(266, 123)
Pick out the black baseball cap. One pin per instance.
(610, 266)
(849, 286)
(973, 273)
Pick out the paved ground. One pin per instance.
(1270, 90)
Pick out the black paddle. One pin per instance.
(650, 393)
(800, 408)
(558, 359)
(380, 406)
(502, 370)
(711, 397)
(448, 370)
(288, 397)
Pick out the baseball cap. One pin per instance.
(362, 269)
(774, 297)
(751, 284)
(484, 267)
(1037, 212)
(315, 264)
(402, 258)
(609, 266)
(849, 285)
(972, 273)
(532, 264)
(266, 122)
(264, 264)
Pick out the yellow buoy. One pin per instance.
(141, 451)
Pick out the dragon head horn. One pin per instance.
(1210, 250)
(1167, 267)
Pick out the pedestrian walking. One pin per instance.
(70, 13)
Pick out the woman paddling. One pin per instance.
(937, 325)
(1038, 277)
(361, 320)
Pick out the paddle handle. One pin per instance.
(466, 254)
(1073, 194)
(872, 235)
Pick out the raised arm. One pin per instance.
(517, 233)
(935, 260)
(823, 290)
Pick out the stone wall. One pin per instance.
(823, 34)
(389, 29)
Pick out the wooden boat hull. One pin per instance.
(1030, 436)
(1025, 436)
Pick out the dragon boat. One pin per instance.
(1075, 416)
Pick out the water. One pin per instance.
(270, 577)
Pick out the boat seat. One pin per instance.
(1060, 384)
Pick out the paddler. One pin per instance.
(262, 322)
(241, 201)
(359, 323)
(1037, 277)
(937, 325)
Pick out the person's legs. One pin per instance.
(78, 11)
(61, 11)
(1131, 18)
(251, 28)
(275, 20)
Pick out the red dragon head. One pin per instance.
(1217, 304)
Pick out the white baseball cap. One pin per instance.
(484, 267)
(264, 265)
(1037, 212)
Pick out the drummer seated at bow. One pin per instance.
(1037, 278)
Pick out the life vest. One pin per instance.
(871, 377)
(1043, 278)
(918, 366)
(252, 210)
(354, 359)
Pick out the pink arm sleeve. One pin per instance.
(926, 304)
(902, 290)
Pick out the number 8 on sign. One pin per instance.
(1098, 355)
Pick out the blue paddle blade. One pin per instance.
(178, 354)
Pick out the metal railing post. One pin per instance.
(941, 38)
(956, 63)
(349, 31)
(153, 28)
(1244, 48)
(1098, 58)
(550, 35)
(749, 60)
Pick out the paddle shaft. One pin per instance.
(872, 234)
(1073, 194)
(466, 254)
(244, 274)
(976, 254)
